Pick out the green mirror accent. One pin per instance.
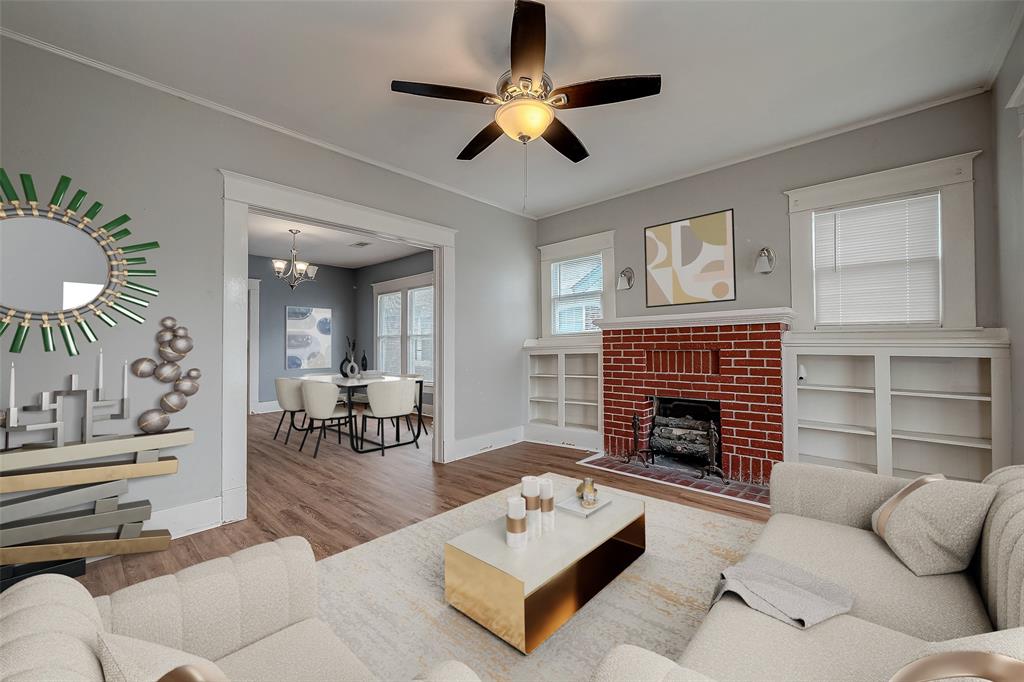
(26, 217)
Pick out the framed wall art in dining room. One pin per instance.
(307, 337)
(691, 260)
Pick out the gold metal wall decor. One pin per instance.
(120, 287)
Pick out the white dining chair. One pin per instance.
(419, 411)
(321, 401)
(289, 397)
(388, 400)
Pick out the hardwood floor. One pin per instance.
(342, 498)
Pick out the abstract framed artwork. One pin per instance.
(307, 337)
(691, 260)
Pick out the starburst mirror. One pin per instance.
(58, 269)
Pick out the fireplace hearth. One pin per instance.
(688, 430)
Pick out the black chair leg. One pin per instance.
(319, 437)
(381, 437)
(362, 435)
(291, 425)
(338, 424)
(281, 421)
(305, 433)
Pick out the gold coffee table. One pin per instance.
(523, 596)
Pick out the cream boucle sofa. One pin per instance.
(254, 614)
(821, 521)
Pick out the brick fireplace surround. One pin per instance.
(740, 365)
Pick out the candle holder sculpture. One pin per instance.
(95, 409)
(173, 344)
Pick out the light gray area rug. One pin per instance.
(385, 598)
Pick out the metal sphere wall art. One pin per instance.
(173, 344)
(24, 213)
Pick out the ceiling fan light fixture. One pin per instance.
(525, 118)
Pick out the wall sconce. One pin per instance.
(625, 280)
(765, 264)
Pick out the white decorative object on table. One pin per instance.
(531, 494)
(515, 523)
(547, 504)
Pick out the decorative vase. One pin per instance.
(351, 368)
(363, 363)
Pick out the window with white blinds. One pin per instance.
(577, 286)
(879, 263)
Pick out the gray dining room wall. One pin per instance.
(156, 157)
(334, 288)
(366, 277)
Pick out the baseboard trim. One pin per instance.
(188, 518)
(263, 408)
(475, 445)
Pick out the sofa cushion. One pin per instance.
(126, 659)
(308, 651)
(628, 662)
(933, 524)
(49, 656)
(736, 643)
(885, 591)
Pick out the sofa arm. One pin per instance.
(628, 662)
(219, 606)
(830, 494)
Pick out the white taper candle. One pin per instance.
(99, 376)
(10, 402)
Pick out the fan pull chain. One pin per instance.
(525, 174)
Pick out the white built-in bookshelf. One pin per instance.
(564, 401)
(898, 404)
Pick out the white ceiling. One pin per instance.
(739, 78)
(269, 237)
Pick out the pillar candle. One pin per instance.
(547, 504)
(99, 376)
(531, 495)
(10, 402)
(515, 523)
(124, 381)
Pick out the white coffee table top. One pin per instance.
(573, 538)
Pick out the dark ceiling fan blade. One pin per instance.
(529, 37)
(607, 91)
(442, 92)
(481, 142)
(562, 139)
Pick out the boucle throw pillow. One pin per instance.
(126, 659)
(933, 524)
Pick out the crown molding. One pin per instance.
(235, 113)
(706, 319)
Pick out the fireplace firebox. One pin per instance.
(688, 430)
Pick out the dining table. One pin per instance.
(350, 384)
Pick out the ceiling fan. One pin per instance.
(525, 96)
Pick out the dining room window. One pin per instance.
(404, 326)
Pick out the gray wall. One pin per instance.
(416, 264)
(334, 289)
(155, 157)
(1010, 201)
(754, 189)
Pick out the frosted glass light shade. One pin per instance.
(311, 271)
(524, 119)
(279, 265)
(300, 266)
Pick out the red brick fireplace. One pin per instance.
(739, 365)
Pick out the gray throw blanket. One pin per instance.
(784, 591)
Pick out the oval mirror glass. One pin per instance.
(46, 265)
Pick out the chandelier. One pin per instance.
(298, 271)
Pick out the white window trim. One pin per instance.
(601, 242)
(403, 284)
(951, 177)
